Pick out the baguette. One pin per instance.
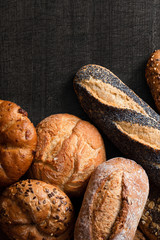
(152, 75)
(125, 118)
(113, 202)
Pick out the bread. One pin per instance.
(18, 140)
(113, 202)
(125, 118)
(68, 150)
(139, 236)
(153, 76)
(34, 210)
(150, 221)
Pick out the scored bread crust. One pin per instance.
(32, 209)
(130, 123)
(113, 202)
(68, 150)
(18, 141)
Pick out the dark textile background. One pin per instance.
(44, 42)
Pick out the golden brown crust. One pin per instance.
(150, 221)
(125, 118)
(153, 76)
(68, 151)
(113, 202)
(32, 209)
(18, 140)
(139, 236)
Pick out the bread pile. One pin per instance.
(64, 158)
(66, 150)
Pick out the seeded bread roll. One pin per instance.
(32, 209)
(150, 221)
(113, 202)
(153, 76)
(68, 151)
(18, 140)
(139, 236)
(125, 118)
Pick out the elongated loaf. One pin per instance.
(113, 202)
(152, 74)
(125, 118)
(150, 221)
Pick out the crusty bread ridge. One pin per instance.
(68, 151)
(18, 141)
(32, 209)
(126, 119)
(113, 202)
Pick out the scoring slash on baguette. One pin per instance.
(131, 124)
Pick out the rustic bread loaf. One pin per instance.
(125, 118)
(32, 209)
(150, 221)
(18, 140)
(153, 76)
(139, 236)
(68, 150)
(113, 202)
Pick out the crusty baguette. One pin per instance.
(152, 74)
(150, 221)
(113, 202)
(125, 118)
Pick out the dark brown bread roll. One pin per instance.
(125, 118)
(32, 209)
(150, 221)
(139, 236)
(113, 202)
(68, 151)
(153, 76)
(18, 141)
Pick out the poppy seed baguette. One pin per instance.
(125, 118)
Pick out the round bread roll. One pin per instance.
(32, 209)
(18, 141)
(68, 151)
